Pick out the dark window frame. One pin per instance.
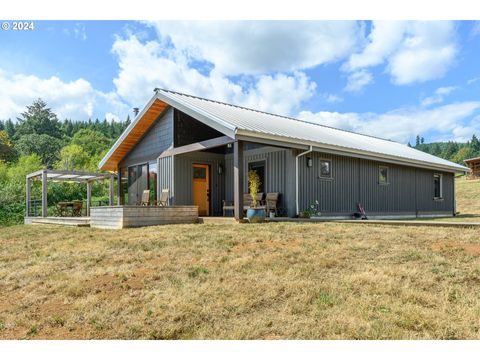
(440, 182)
(320, 175)
(387, 178)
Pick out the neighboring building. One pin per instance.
(474, 166)
(201, 151)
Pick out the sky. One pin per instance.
(392, 79)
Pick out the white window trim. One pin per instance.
(441, 186)
(388, 175)
(330, 177)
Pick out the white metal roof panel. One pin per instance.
(305, 132)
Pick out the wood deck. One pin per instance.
(119, 217)
(56, 220)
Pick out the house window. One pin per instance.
(325, 168)
(383, 175)
(437, 186)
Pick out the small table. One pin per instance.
(75, 208)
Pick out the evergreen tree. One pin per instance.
(2, 125)
(10, 128)
(38, 119)
(422, 140)
(417, 141)
(475, 145)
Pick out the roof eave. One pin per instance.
(356, 153)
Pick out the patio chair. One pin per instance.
(77, 208)
(163, 201)
(271, 202)
(145, 198)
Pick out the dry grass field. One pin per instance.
(270, 281)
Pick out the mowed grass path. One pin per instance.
(270, 281)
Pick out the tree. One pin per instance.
(450, 150)
(45, 146)
(10, 128)
(475, 145)
(422, 140)
(2, 125)
(409, 145)
(73, 157)
(38, 119)
(462, 154)
(417, 141)
(93, 142)
(7, 151)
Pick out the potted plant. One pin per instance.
(311, 211)
(254, 214)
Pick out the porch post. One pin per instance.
(27, 197)
(44, 193)
(89, 196)
(119, 187)
(238, 179)
(110, 190)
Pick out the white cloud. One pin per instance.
(256, 47)
(112, 117)
(405, 123)
(413, 51)
(382, 41)
(80, 32)
(332, 98)
(358, 80)
(146, 65)
(438, 96)
(75, 100)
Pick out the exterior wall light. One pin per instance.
(309, 162)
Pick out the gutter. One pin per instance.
(296, 177)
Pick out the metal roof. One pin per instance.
(257, 123)
(236, 121)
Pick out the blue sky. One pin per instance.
(390, 79)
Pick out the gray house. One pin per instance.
(200, 150)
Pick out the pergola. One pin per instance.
(474, 165)
(65, 175)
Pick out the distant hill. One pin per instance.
(451, 150)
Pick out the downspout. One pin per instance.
(296, 177)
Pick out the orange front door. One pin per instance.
(201, 188)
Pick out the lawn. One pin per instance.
(270, 281)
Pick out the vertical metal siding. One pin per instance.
(275, 171)
(158, 138)
(165, 177)
(356, 180)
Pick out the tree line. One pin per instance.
(36, 140)
(450, 150)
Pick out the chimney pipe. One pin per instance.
(136, 111)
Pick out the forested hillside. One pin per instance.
(451, 150)
(36, 140)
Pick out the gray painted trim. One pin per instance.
(198, 146)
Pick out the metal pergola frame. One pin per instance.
(46, 175)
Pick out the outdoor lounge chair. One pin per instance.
(145, 198)
(271, 202)
(247, 202)
(163, 198)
